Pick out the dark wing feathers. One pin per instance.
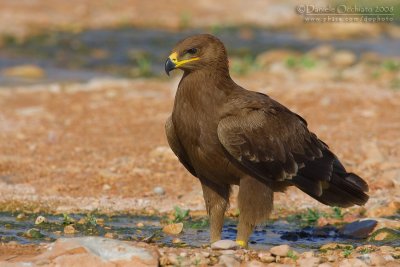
(176, 146)
(270, 142)
(274, 144)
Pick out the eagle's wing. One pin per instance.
(272, 143)
(176, 146)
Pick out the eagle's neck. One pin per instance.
(200, 91)
(213, 83)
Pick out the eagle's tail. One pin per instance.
(340, 188)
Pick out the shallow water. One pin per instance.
(132, 52)
(195, 234)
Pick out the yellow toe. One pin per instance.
(241, 243)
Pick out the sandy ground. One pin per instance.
(101, 145)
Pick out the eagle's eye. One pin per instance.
(192, 51)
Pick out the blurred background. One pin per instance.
(79, 40)
(84, 99)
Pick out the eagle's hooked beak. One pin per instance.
(173, 62)
(169, 65)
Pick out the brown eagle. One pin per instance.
(226, 135)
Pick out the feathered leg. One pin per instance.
(216, 198)
(255, 204)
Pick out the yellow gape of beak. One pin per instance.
(174, 58)
(173, 63)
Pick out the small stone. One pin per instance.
(111, 235)
(322, 51)
(140, 225)
(173, 229)
(332, 258)
(106, 187)
(343, 58)
(82, 221)
(24, 71)
(205, 254)
(21, 216)
(358, 229)
(158, 190)
(176, 241)
(100, 221)
(69, 229)
(325, 264)
(224, 244)
(281, 250)
(266, 257)
(228, 261)
(40, 219)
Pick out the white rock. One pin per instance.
(40, 219)
(158, 190)
(224, 244)
(281, 250)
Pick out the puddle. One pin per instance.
(133, 52)
(195, 233)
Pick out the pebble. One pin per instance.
(228, 261)
(176, 241)
(158, 190)
(224, 244)
(266, 257)
(24, 71)
(21, 216)
(111, 235)
(173, 229)
(100, 221)
(358, 229)
(69, 229)
(205, 254)
(343, 58)
(140, 225)
(40, 219)
(281, 250)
